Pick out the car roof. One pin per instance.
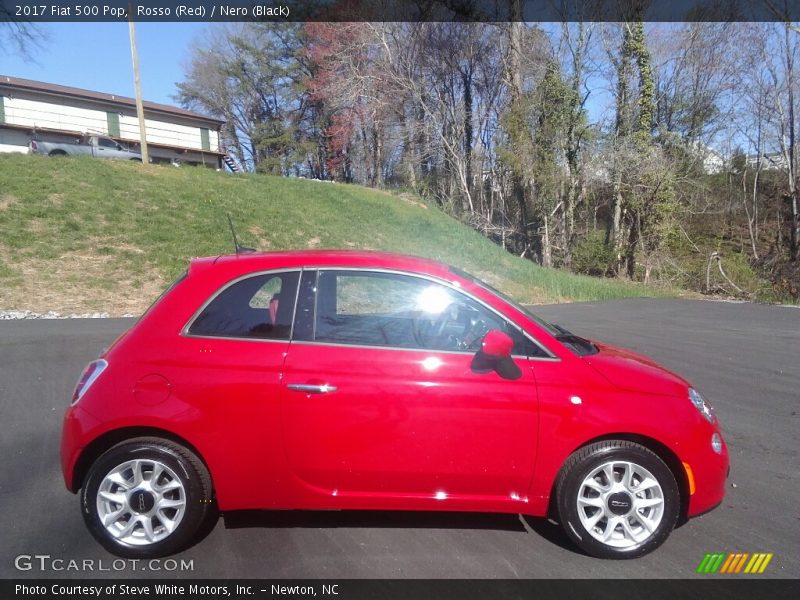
(254, 261)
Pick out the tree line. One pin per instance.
(655, 152)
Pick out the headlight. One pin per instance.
(701, 405)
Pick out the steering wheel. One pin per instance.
(441, 321)
(474, 331)
(428, 331)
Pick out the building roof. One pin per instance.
(63, 90)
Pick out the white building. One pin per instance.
(48, 112)
(772, 161)
(713, 161)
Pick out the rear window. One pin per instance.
(259, 307)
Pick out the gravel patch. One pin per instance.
(6, 315)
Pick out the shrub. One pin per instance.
(592, 256)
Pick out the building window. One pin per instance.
(2, 110)
(205, 142)
(113, 124)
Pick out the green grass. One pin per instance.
(100, 226)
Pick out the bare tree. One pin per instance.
(576, 41)
(252, 76)
(773, 81)
(17, 35)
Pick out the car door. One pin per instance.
(228, 366)
(381, 399)
(106, 148)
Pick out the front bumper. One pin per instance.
(710, 471)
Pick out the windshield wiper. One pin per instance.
(580, 346)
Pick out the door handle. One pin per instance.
(310, 388)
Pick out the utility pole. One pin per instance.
(138, 86)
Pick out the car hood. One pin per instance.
(634, 372)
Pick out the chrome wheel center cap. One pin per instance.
(619, 503)
(141, 501)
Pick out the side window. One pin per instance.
(106, 143)
(258, 307)
(401, 311)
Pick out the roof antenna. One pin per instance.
(236, 245)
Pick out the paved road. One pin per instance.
(742, 357)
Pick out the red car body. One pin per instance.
(406, 429)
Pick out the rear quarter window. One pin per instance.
(258, 307)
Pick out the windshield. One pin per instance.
(550, 328)
(578, 345)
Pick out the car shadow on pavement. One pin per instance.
(376, 519)
(545, 528)
(551, 531)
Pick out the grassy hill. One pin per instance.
(78, 234)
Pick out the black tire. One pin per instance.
(57, 153)
(179, 464)
(624, 542)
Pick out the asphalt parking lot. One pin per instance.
(742, 357)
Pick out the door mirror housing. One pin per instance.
(495, 355)
(497, 344)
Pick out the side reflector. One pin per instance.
(690, 477)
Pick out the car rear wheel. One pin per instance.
(146, 497)
(617, 499)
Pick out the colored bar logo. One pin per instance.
(740, 562)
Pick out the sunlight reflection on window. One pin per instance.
(433, 300)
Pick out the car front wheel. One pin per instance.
(146, 497)
(617, 499)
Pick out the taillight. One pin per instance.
(34, 146)
(90, 375)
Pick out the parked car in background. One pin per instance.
(364, 380)
(92, 145)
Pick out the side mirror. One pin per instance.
(495, 355)
(497, 344)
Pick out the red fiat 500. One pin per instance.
(363, 380)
